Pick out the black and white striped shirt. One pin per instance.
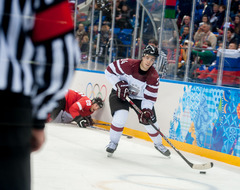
(38, 51)
(162, 64)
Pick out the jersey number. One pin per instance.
(88, 102)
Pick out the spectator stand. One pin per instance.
(121, 44)
(148, 27)
(124, 39)
(231, 69)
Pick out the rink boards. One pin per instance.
(199, 119)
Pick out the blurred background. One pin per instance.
(198, 40)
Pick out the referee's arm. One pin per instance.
(57, 54)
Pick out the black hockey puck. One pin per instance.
(202, 172)
(129, 137)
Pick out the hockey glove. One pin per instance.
(83, 123)
(90, 120)
(145, 116)
(122, 90)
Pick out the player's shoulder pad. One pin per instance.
(85, 98)
(153, 77)
(130, 62)
(122, 61)
(130, 66)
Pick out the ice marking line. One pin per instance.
(169, 183)
(102, 184)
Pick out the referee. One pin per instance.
(38, 54)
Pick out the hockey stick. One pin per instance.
(104, 124)
(193, 166)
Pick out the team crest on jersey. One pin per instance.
(134, 90)
(124, 61)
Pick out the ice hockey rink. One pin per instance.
(74, 158)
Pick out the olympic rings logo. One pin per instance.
(93, 91)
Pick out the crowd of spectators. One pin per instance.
(125, 10)
(208, 30)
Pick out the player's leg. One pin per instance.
(117, 125)
(15, 135)
(157, 139)
(58, 109)
(119, 111)
(153, 134)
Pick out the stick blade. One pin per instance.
(202, 166)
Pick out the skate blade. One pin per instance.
(109, 154)
(167, 156)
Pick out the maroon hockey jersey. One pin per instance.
(142, 85)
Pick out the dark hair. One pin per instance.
(205, 15)
(223, 6)
(231, 30)
(208, 43)
(236, 45)
(98, 101)
(153, 41)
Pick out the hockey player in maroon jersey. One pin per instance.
(139, 80)
(77, 107)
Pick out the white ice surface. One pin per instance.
(75, 159)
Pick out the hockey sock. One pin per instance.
(153, 134)
(118, 122)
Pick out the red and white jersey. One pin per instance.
(77, 104)
(141, 86)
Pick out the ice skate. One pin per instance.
(161, 148)
(111, 147)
